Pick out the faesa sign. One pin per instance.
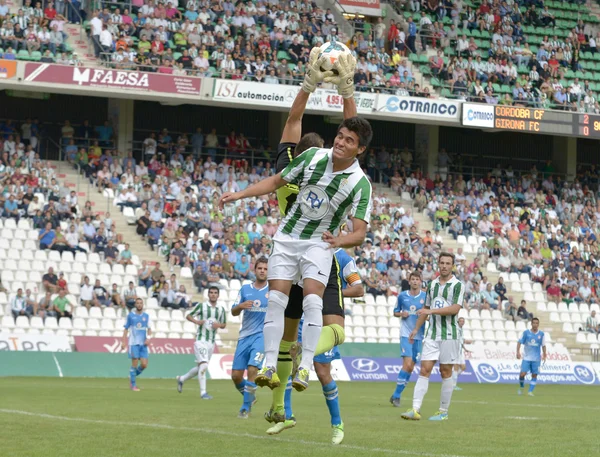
(114, 79)
(113, 345)
(368, 7)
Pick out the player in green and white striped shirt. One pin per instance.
(332, 186)
(209, 317)
(445, 296)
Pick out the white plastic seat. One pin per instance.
(383, 332)
(22, 322)
(359, 321)
(235, 284)
(498, 325)
(513, 277)
(500, 335)
(563, 307)
(177, 315)
(520, 326)
(109, 313)
(90, 332)
(461, 239)
(93, 324)
(36, 322)
(511, 335)
(381, 300)
(475, 324)
(515, 287)
(485, 314)
(392, 301)
(82, 312)
(551, 307)
(564, 317)
(188, 327)
(65, 323)
(567, 327)
(164, 315)
(474, 314)
(162, 326)
(369, 299)
(554, 317)
(357, 310)
(186, 272)
(528, 296)
(370, 321)
(486, 325)
(51, 323)
(509, 325)
(107, 324)
(592, 338)
(577, 318)
(95, 312)
(581, 338)
(382, 321)
(141, 292)
(118, 269)
(477, 335)
(537, 287)
(175, 326)
(541, 306)
(370, 310)
(584, 308)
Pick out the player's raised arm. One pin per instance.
(197, 311)
(266, 186)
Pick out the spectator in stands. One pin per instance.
(510, 309)
(145, 276)
(20, 307)
(491, 298)
(45, 307)
(130, 295)
(522, 312)
(101, 297)
(46, 236)
(62, 306)
(591, 323)
(86, 293)
(116, 298)
(126, 256)
(500, 289)
(166, 297)
(50, 281)
(111, 253)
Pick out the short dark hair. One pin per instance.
(310, 140)
(447, 254)
(361, 127)
(415, 274)
(214, 288)
(535, 319)
(262, 259)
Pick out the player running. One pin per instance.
(250, 351)
(209, 317)
(445, 296)
(331, 186)
(137, 341)
(534, 342)
(460, 366)
(349, 285)
(409, 303)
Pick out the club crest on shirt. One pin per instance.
(422, 301)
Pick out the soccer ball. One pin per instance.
(332, 50)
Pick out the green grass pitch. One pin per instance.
(50, 417)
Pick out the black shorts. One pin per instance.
(333, 300)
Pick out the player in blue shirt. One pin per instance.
(534, 343)
(351, 286)
(409, 302)
(252, 301)
(136, 338)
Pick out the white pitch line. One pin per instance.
(522, 418)
(60, 373)
(321, 445)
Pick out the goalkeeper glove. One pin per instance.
(314, 75)
(344, 80)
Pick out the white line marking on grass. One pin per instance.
(321, 445)
(527, 405)
(60, 373)
(522, 418)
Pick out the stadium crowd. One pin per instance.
(533, 223)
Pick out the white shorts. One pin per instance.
(203, 351)
(461, 358)
(294, 260)
(447, 352)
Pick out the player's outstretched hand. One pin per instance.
(424, 311)
(216, 325)
(329, 238)
(404, 314)
(313, 75)
(344, 80)
(123, 345)
(227, 197)
(518, 355)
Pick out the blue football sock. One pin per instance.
(522, 382)
(331, 398)
(249, 395)
(403, 378)
(288, 399)
(240, 386)
(532, 385)
(132, 375)
(138, 370)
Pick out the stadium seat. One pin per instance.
(595, 307)
(509, 325)
(563, 307)
(551, 307)
(554, 317)
(177, 315)
(581, 338)
(162, 326)
(383, 310)
(577, 318)
(537, 287)
(591, 338)
(349, 332)
(486, 325)
(383, 332)
(359, 321)
(381, 300)
(520, 326)
(541, 306)
(477, 335)
(392, 301)
(485, 314)
(65, 323)
(186, 273)
(357, 310)
(370, 310)
(567, 327)
(511, 335)
(584, 308)
(500, 335)
(93, 323)
(22, 322)
(175, 326)
(164, 315)
(359, 332)
(498, 324)
(369, 299)
(528, 296)
(382, 321)
(370, 321)
(475, 324)
(473, 314)
(564, 317)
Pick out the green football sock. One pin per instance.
(284, 370)
(331, 335)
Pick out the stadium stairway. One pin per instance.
(139, 246)
(79, 43)
(548, 323)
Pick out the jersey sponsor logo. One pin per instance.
(314, 202)
(365, 365)
(412, 309)
(439, 302)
